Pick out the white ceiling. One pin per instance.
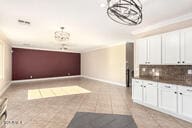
(85, 20)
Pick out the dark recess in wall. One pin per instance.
(27, 64)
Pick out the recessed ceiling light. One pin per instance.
(102, 5)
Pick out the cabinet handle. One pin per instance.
(189, 90)
(167, 86)
(150, 84)
(181, 93)
(175, 92)
(178, 62)
(144, 86)
(141, 85)
(183, 62)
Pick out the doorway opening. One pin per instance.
(129, 63)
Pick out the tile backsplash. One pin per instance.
(166, 72)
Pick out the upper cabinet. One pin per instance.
(149, 50)
(186, 46)
(177, 47)
(141, 47)
(154, 49)
(171, 48)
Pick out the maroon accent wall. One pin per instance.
(43, 64)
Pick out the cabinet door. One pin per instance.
(171, 47)
(168, 97)
(186, 46)
(185, 101)
(154, 49)
(137, 90)
(150, 93)
(141, 46)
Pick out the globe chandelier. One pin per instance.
(61, 35)
(127, 12)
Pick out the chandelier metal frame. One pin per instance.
(126, 12)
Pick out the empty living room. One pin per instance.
(95, 64)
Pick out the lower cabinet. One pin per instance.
(172, 99)
(185, 101)
(137, 90)
(168, 97)
(145, 91)
(150, 93)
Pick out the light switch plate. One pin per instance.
(189, 71)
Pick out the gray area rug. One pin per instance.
(98, 120)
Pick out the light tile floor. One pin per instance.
(57, 112)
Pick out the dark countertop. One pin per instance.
(176, 82)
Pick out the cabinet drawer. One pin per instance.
(137, 81)
(150, 83)
(167, 86)
(186, 90)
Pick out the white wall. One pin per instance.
(108, 64)
(7, 65)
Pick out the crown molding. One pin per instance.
(106, 46)
(163, 24)
(43, 49)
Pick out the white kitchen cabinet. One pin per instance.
(185, 101)
(137, 90)
(168, 97)
(171, 48)
(172, 99)
(154, 49)
(149, 50)
(145, 91)
(141, 47)
(150, 93)
(186, 46)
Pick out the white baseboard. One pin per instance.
(40, 79)
(64, 77)
(102, 80)
(5, 88)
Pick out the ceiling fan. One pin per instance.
(64, 47)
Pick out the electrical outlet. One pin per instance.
(189, 72)
(31, 77)
(153, 70)
(68, 74)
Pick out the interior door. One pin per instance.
(171, 47)
(186, 46)
(1, 60)
(154, 49)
